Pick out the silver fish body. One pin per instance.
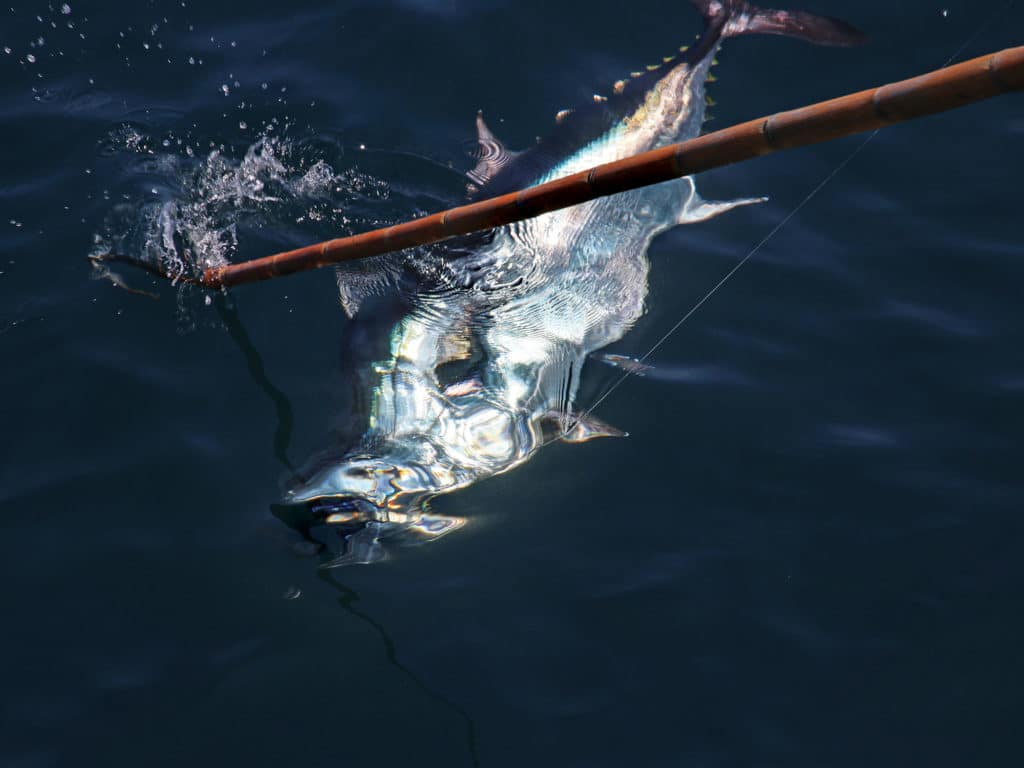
(484, 367)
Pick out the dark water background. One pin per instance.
(805, 555)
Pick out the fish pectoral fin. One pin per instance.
(491, 154)
(631, 364)
(581, 427)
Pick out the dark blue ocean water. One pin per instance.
(807, 553)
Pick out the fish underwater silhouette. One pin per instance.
(484, 361)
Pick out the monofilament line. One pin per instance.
(775, 230)
(750, 254)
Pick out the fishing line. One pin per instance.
(810, 196)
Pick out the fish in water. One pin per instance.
(483, 363)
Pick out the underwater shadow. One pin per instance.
(347, 597)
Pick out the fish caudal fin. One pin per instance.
(737, 17)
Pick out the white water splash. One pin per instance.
(204, 204)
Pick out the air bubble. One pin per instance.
(225, 89)
(30, 59)
(65, 9)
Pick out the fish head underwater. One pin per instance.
(483, 368)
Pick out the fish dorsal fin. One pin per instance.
(358, 280)
(581, 427)
(490, 153)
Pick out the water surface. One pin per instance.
(806, 552)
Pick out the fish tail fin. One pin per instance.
(737, 17)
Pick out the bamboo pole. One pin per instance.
(938, 91)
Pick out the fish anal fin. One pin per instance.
(699, 209)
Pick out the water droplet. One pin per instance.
(264, 86)
(8, 52)
(146, 46)
(225, 88)
(362, 146)
(945, 13)
(192, 60)
(242, 125)
(30, 59)
(234, 44)
(155, 191)
(208, 301)
(65, 9)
